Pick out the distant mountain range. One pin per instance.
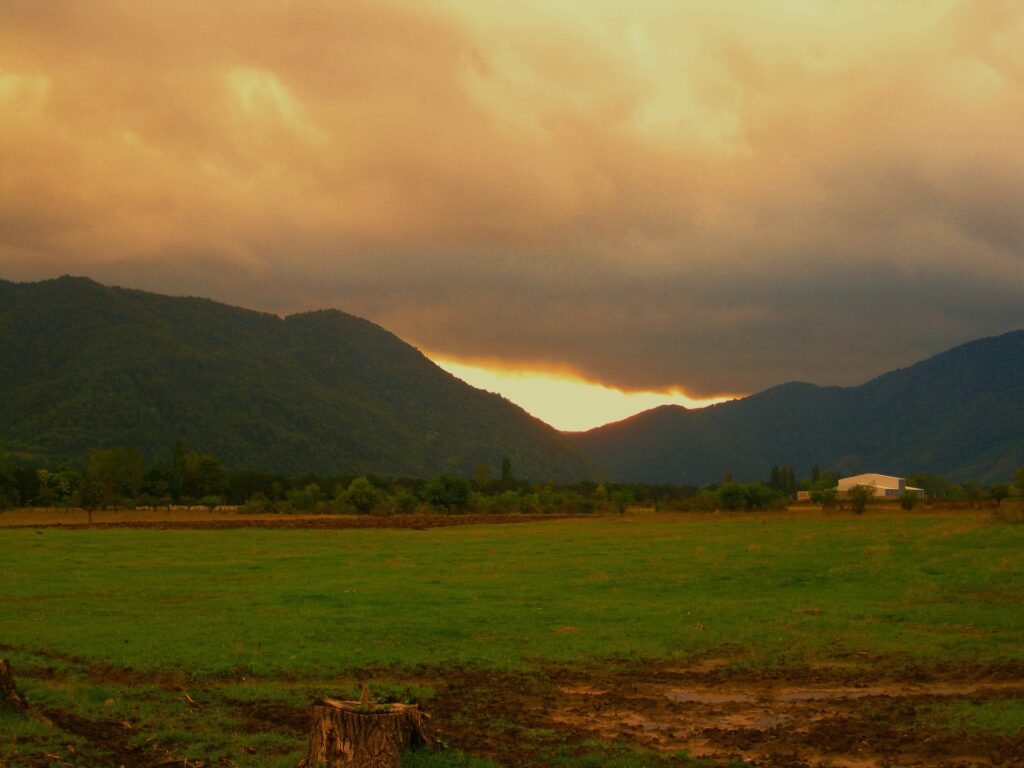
(84, 366)
(959, 414)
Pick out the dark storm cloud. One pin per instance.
(717, 197)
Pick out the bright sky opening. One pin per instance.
(562, 401)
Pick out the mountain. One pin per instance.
(959, 414)
(85, 366)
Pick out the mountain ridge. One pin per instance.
(88, 366)
(958, 413)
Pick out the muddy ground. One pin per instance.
(816, 718)
(227, 522)
(831, 717)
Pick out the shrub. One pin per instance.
(621, 501)
(447, 492)
(507, 501)
(304, 499)
(361, 495)
(258, 504)
(908, 500)
(825, 496)
(704, 501)
(858, 497)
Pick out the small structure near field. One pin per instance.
(883, 486)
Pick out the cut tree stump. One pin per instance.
(9, 696)
(361, 734)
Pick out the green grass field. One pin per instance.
(114, 625)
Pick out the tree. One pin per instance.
(201, 475)
(113, 476)
(29, 485)
(362, 495)
(304, 499)
(934, 486)
(506, 469)
(482, 476)
(999, 492)
(971, 491)
(1018, 481)
(733, 496)
(825, 496)
(447, 492)
(621, 500)
(8, 485)
(859, 496)
(177, 470)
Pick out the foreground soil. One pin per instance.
(829, 717)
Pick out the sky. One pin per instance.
(697, 198)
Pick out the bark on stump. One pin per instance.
(351, 734)
(9, 696)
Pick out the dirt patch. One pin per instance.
(272, 716)
(772, 725)
(414, 522)
(111, 739)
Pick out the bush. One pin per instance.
(304, 499)
(736, 496)
(447, 492)
(621, 501)
(507, 501)
(704, 501)
(858, 497)
(361, 495)
(258, 504)
(908, 500)
(401, 502)
(825, 496)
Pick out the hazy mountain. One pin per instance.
(85, 366)
(960, 414)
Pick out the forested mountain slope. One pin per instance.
(85, 366)
(959, 414)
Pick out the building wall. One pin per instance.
(883, 484)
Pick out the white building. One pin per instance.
(885, 486)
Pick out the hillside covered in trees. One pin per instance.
(958, 414)
(86, 366)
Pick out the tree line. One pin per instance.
(119, 477)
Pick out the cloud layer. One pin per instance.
(717, 196)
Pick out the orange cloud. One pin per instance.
(655, 194)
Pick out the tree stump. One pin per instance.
(9, 696)
(361, 734)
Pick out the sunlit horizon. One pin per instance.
(565, 401)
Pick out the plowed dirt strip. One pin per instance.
(414, 522)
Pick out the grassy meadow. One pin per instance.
(115, 626)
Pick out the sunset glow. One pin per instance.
(563, 401)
